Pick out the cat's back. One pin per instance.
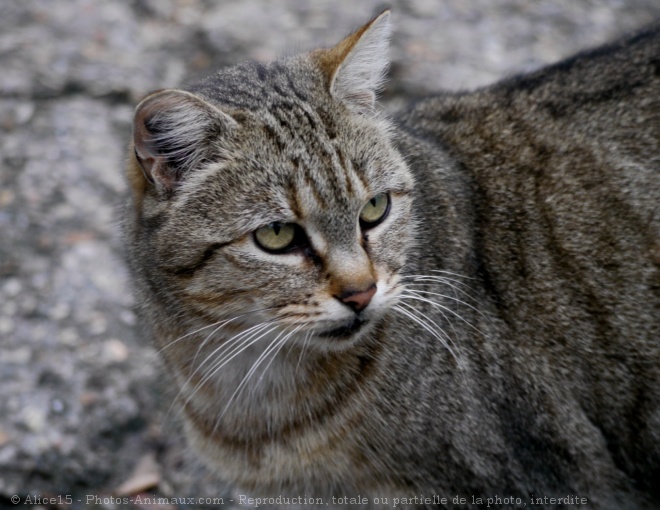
(598, 109)
(607, 94)
(564, 173)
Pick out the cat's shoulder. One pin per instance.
(625, 72)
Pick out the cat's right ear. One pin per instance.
(173, 132)
(356, 67)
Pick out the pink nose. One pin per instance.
(358, 300)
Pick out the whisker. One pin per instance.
(281, 344)
(447, 335)
(234, 347)
(302, 351)
(449, 297)
(440, 330)
(453, 274)
(293, 344)
(426, 280)
(203, 342)
(405, 296)
(170, 344)
(411, 295)
(227, 344)
(275, 346)
(409, 313)
(226, 321)
(223, 346)
(250, 340)
(438, 278)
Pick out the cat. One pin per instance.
(460, 302)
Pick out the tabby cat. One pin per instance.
(463, 301)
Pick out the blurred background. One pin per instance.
(83, 409)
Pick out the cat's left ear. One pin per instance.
(356, 67)
(173, 133)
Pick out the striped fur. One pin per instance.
(512, 344)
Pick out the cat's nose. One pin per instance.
(358, 300)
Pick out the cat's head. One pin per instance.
(272, 194)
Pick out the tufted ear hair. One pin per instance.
(173, 133)
(356, 67)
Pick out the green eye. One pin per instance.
(375, 210)
(276, 236)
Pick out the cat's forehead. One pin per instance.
(301, 177)
(256, 86)
(268, 186)
(297, 154)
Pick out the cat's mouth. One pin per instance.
(346, 331)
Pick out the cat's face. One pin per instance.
(294, 226)
(279, 201)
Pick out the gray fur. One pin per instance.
(519, 351)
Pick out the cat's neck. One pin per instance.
(269, 387)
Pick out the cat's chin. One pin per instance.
(344, 336)
(346, 331)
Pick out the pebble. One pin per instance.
(6, 325)
(115, 350)
(98, 324)
(57, 406)
(128, 317)
(20, 356)
(68, 336)
(60, 311)
(12, 287)
(34, 418)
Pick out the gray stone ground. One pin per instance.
(81, 400)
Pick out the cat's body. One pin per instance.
(523, 357)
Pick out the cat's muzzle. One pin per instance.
(346, 331)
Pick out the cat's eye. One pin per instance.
(279, 237)
(375, 210)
